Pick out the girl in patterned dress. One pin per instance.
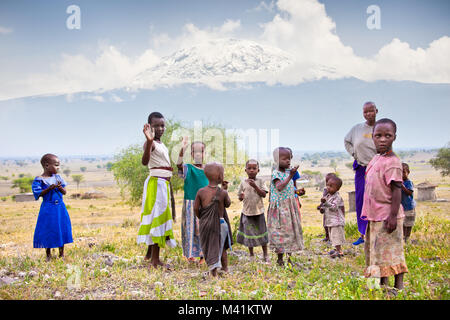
(283, 215)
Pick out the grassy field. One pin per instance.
(104, 262)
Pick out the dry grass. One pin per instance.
(104, 262)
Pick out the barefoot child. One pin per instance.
(156, 219)
(53, 227)
(194, 179)
(283, 214)
(215, 229)
(382, 195)
(334, 214)
(408, 202)
(322, 210)
(252, 226)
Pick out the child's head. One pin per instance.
(405, 168)
(214, 172)
(157, 122)
(370, 111)
(384, 134)
(50, 163)
(334, 183)
(329, 175)
(198, 152)
(282, 157)
(252, 168)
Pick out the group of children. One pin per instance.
(205, 226)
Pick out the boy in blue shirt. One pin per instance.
(408, 203)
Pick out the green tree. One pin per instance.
(109, 166)
(442, 160)
(67, 172)
(77, 178)
(130, 174)
(83, 169)
(23, 183)
(349, 165)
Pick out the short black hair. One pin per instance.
(46, 158)
(386, 120)
(337, 180)
(252, 160)
(154, 115)
(371, 103)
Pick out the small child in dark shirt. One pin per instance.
(215, 228)
(408, 203)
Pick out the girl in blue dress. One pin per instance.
(53, 227)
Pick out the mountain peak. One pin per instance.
(216, 61)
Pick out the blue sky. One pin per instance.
(312, 113)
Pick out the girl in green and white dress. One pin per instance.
(156, 227)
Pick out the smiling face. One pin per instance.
(159, 125)
(383, 137)
(252, 169)
(370, 113)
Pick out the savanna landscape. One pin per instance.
(104, 261)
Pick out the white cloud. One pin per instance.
(303, 28)
(264, 6)
(301, 38)
(77, 73)
(5, 30)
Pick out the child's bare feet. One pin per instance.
(201, 261)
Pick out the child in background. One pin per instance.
(408, 203)
(334, 213)
(252, 226)
(382, 196)
(156, 227)
(322, 210)
(283, 215)
(53, 226)
(194, 179)
(215, 228)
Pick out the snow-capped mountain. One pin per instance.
(216, 62)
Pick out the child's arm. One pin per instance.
(408, 192)
(47, 190)
(260, 192)
(241, 191)
(391, 222)
(184, 144)
(197, 205)
(226, 199)
(280, 185)
(330, 204)
(149, 133)
(61, 188)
